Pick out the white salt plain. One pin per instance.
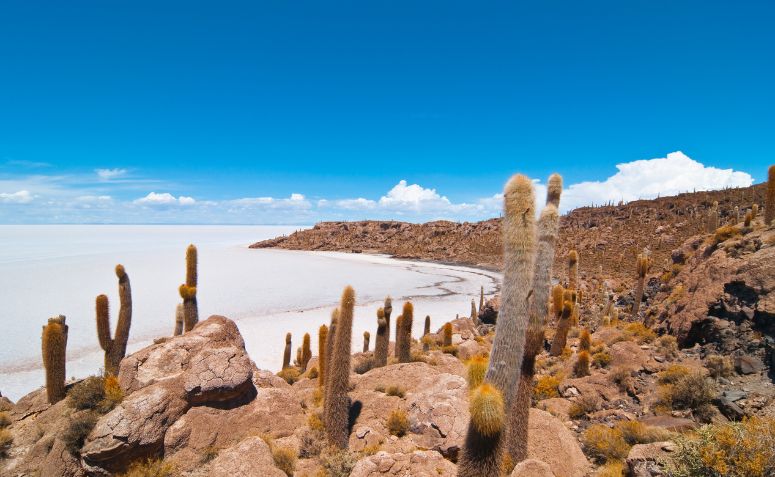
(47, 270)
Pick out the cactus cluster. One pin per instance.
(54, 350)
(115, 346)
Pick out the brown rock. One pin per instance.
(415, 464)
(674, 424)
(646, 460)
(532, 468)
(551, 442)
(250, 457)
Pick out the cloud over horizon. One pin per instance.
(51, 199)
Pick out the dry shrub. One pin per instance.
(546, 387)
(290, 375)
(692, 391)
(451, 349)
(640, 332)
(719, 366)
(673, 374)
(739, 449)
(611, 469)
(6, 441)
(113, 394)
(583, 405)
(284, 459)
(724, 233)
(622, 377)
(311, 443)
(601, 359)
(313, 373)
(87, 394)
(149, 468)
(667, 345)
(75, 434)
(337, 463)
(208, 454)
(635, 432)
(398, 422)
(5, 420)
(604, 444)
(395, 391)
(315, 422)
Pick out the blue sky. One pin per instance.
(293, 112)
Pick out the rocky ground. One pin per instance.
(700, 351)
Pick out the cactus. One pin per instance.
(585, 341)
(54, 350)
(337, 402)
(474, 314)
(330, 343)
(547, 231)
(748, 219)
(641, 269)
(712, 223)
(446, 334)
(115, 347)
(475, 370)
(737, 214)
(366, 339)
(190, 307)
(557, 293)
(179, 319)
(754, 211)
(581, 367)
(573, 269)
(481, 298)
(191, 266)
(287, 352)
(306, 352)
(561, 336)
(382, 341)
(482, 450)
(426, 333)
(399, 335)
(404, 329)
(322, 337)
(769, 203)
(554, 190)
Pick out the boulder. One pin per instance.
(551, 442)
(532, 468)
(673, 424)
(468, 349)
(647, 460)
(439, 415)
(252, 456)
(414, 464)
(748, 364)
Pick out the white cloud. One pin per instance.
(412, 197)
(295, 201)
(94, 198)
(108, 174)
(165, 198)
(356, 204)
(20, 197)
(649, 178)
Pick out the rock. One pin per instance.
(415, 464)
(439, 415)
(628, 354)
(748, 365)
(735, 395)
(250, 457)
(645, 460)
(551, 442)
(729, 409)
(532, 468)
(489, 313)
(60, 462)
(673, 424)
(468, 349)
(557, 407)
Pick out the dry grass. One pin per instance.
(5, 420)
(584, 405)
(611, 469)
(398, 422)
(397, 391)
(6, 441)
(635, 432)
(640, 332)
(290, 375)
(719, 366)
(149, 468)
(601, 359)
(667, 346)
(337, 463)
(622, 377)
(284, 459)
(691, 391)
(604, 444)
(75, 434)
(546, 387)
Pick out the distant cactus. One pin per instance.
(399, 335)
(54, 349)
(641, 269)
(404, 350)
(554, 190)
(561, 335)
(297, 361)
(712, 223)
(426, 333)
(337, 402)
(769, 203)
(737, 214)
(481, 298)
(557, 294)
(190, 307)
(306, 352)
(482, 451)
(366, 339)
(446, 334)
(287, 352)
(581, 367)
(322, 337)
(115, 347)
(475, 370)
(573, 270)
(179, 319)
(330, 342)
(474, 314)
(382, 341)
(585, 341)
(748, 219)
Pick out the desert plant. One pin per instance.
(397, 422)
(712, 223)
(446, 334)
(322, 336)
(692, 391)
(561, 335)
(6, 441)
(366, 339)
(382, 342)
(306, 352)
(5, 419)
(481, 298)
(769, 204)
(180, 317)
(482, 450)
(668, 346)
(284, 459)
(330, 344)
(640, 332)
(310, 443)
(474, 313)
(113, 393)
(150, 468)
(573, 269)
(622, 377)
(87, 394)
(636, 432)
(583, 405)
(337, 402)
(719, 366)
(190, 306)
(337, 463)
(115, 347)
(557, 300)
(642, 264)
(581, 366)
(475, 371)
(78, 428)
(546, 387)
(404, 329)
(289, 374)
(672, 374)
(601, 359)
(585, 341)
(426, 332)
(614, 468)
(748, 218)
(54, 350)
(287, 352)
(604, 444)
(394, 390)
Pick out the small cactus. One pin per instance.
(585, 341)
(190, 306)
(561, 336)
(287, 352)
(554, 190)
(366, 339)
(482, 452)
(382, 341)
(322, 337)
(54, 350)
(426, 333)
(306, 352)
(179, 319)
(404, 328)
(573, 269)
(748, 219)
(337, 402)
(581, 367)
(474, 314)
(115, 347)
(446, 334)
(475, 370)
(481, 298)
(712, 223)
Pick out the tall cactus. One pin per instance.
(188, 290)
(179, 319)
(642, 264)
(366, 339)
(474, 314)
(573, 270)
(287, 351)
(482, 450)
(115, 347)
(712, 223)
(769, 202)
(557, 292)
(481, 298)
(306, 352)
(561, 335)
(322, 337)
(404, 350)
(382, 342)
(425, 334)
(54, 350)
(481, 454)
(554, 190)
(337, 402)
(399, 335)
(446, 334)
(330, 343)
(548, 226)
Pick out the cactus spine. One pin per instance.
(366, 339)
(482, 450)
(322, 337)
(306, 352)
(382, 341)
(54, 350)
(769, 203)
(641, 268)
(287, 352)
(337, 402)
(548, 226)
(404, 329)
(115, 347)
(426, 333)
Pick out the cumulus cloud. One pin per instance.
(108, 174)
(412, 197)
(20, 197)
(295, 201)
(649, 178)
(165, 198)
